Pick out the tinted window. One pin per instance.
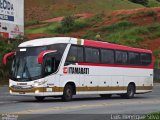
(107, 56)
(146, 58)
(92, 55)
(121, 57)
(134, 58)
(75, 54)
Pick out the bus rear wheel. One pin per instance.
(39, 98)
(130, 92)
(106, 95)
(67, 93)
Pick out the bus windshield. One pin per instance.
(25, 65)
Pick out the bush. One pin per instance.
(68, 22)
(153, 3)
(5, 48)
(68, 25)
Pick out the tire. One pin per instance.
(39, 98)
(106, 95)
(130, 92)
(67, 93)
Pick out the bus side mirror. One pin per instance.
(42, 54)
(6, 56)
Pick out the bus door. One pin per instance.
(73, 70)
(50, 67)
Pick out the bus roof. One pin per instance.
(113, 46)
(69, 40)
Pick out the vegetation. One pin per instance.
(31, 22)
(153, 116)
(5, 48)
(50, 8)
(153, 3)
(147, 3)
(143, 2)
(69, 24)
(48, 29)
(127, 33)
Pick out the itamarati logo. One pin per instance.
(6, 10)
(6, 5)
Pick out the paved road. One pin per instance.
(88, 105)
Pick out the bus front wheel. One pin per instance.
(67, 93)
(39, 98)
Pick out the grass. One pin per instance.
(48, 29)
(90, 35)
(125, 33)
(120, 26)
(153, 116)
(55, 28)
(128, 33)
(153, 3)
(77, 25)
(58, 8)
(31, 22)
(95, 19)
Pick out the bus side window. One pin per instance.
(134, 58)
(107, 56)
(92, 55)
(121, 57)
(146, 58)
(75, 54)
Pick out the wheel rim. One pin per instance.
(69, 93)
(131, 91)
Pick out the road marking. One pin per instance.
(7, 102)
(84, 106)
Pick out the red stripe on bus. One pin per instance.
(100, 44)
(116, 65)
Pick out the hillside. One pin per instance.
(136, 27)
(44, 9)
(117, 21)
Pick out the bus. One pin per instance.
(64, 67)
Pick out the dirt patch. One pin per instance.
(153, 44)
(36, 36)
(141, 16)
(59, 19)
(33, 26)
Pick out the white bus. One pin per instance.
(63, 67)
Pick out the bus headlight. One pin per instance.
(37, 91)
(10, 91)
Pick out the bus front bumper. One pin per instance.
(36, 91)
